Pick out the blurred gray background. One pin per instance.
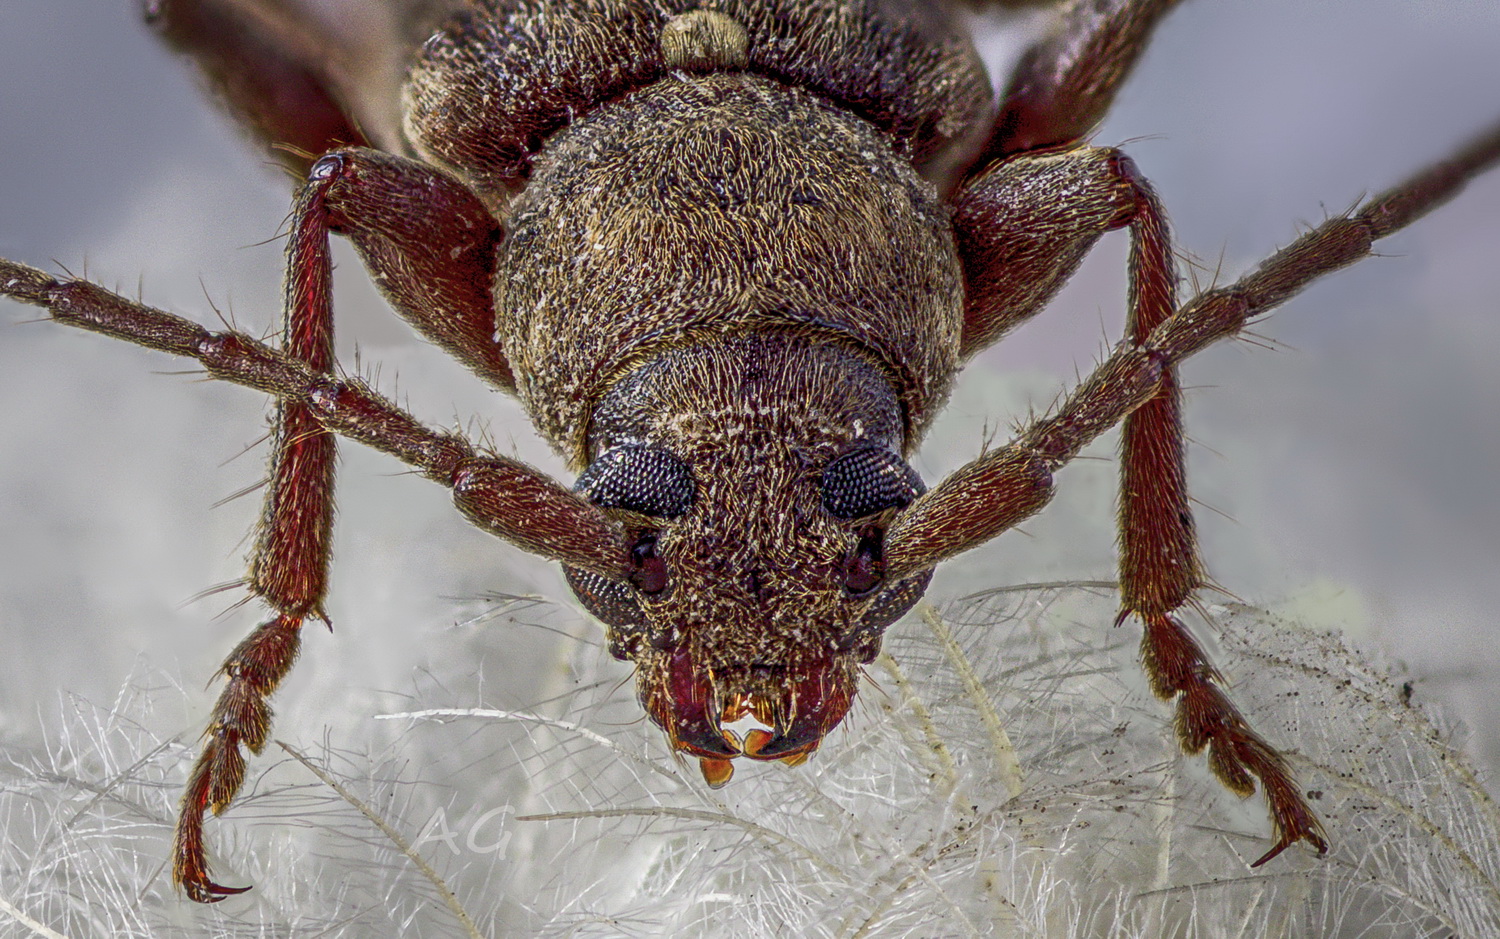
(1347, 474)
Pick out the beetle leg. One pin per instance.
(302, 83)
(264, 69)
(1007, 485)
(428, 242)
(1159, 566)
(1017, 250)
(289, 565)
(443, 283)
(1174, 662)
(1024, 224)
(1064, 84)
(504, 497)
(1018, 247)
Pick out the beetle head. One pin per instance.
(758, 585)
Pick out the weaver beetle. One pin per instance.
(730, 257)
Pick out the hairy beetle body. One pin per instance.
(660, 207)
(489, 88)
(703, 208)
(726, 252)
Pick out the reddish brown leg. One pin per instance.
(1007, 485)
(375, 198)
(1030, 219)
(303, 83)
(1023, 226)
(502, 496)
(289, 566)
(1159, 565)
(1064, 85)
(1174, 662)
(429, 243)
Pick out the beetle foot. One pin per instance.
(1206, 718)
(241, 717)
(189, 860)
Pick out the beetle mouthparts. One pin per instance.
(800, 706)
(758, 744)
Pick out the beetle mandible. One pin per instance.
(730, 258)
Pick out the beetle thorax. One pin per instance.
(700, 208)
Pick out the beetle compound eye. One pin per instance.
(867, 481)
(639, 478)
(614, 604)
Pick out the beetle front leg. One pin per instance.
(391, 208)
(1006, 486)
(289, 565)
(503, 496)
(429, 244)
(1159, 564)
(1022, 227)
(1024, 224)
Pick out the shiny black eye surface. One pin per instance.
(867, 481)
(639, 478)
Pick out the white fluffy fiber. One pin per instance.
(1004, 773)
